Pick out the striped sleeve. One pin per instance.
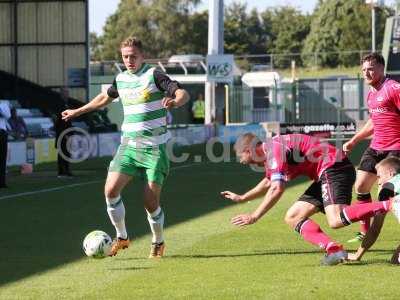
(165, 84)
(112, 91)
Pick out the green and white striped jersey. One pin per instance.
(141, 93)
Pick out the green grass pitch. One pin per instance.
(41, 237)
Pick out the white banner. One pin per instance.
(220, 68)
(16, 154)
(230, 133)
(108, 143)
(81, 146)
(192, 135)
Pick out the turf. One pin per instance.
(207, 257)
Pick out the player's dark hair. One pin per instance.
(132, 42)
(373, 56)
(392, 162)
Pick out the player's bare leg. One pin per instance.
(155, 216)
(297, 217)
(340, 215)
(116, 210)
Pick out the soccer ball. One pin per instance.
(97, 244)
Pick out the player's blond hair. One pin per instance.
(390, 162)
(245, 141)
(132, 42)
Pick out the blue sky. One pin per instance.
(98, 12)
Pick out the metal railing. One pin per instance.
(258, 62)
(314, 60)
(302, 102)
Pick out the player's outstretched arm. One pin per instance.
(365, 132)
(99, 101)
(386, 192)
(181, 97)
(369, 239)
(259, 190)
(271, 198)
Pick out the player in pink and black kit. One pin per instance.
(286, 157)
(384, 125)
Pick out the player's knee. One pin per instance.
(291, 219)
(111, 192)
(335, 222)
(361, 187)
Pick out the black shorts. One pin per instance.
(334, 187)
(371, 157)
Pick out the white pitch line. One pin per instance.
(49, 190)
(69, 186)
(181, 167)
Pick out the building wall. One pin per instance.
(6, 36)
(46, 42)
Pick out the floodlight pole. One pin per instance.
(397, 8)
(373, 27)
(374, 4)
(215, 46)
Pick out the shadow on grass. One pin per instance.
(382, 251)
(376, 261)
(129, 269)
(264, 253)
(201, 256)
(129, 258)
(42, 231)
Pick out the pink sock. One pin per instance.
(364, 223)
(312, 233)
(357, 212)
(363, 199)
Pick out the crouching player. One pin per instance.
(388, 172)
(288, 156)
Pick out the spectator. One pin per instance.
(60, 127)
(99, 121)
(17, 124)
(4, 116)
(103, 113)
(103, 117)
(198, 110)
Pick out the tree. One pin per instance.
(197, 33)
(235, 36)
(340, 26)
(243, 33)
(288, 29)
(258, 34)
(95, 47)
(163, 26)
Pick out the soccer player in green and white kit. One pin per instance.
(142, 152)
(388, 172)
